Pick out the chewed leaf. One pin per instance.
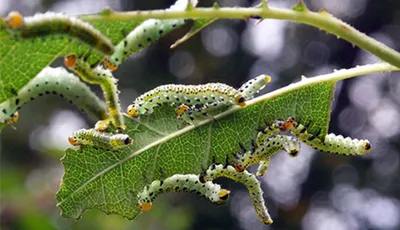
(103, 180)
(198, 25)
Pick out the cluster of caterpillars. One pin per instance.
(268, 142)
(193, 103)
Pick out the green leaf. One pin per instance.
(103, 180)
(22, 60)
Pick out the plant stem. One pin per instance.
(322, 20)
(332, 77)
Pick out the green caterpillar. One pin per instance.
(50, 23)
(99, 139)
(108, 84)
(246, 178)
(195, 113)
(182, 183)
(54, 81)
(263, 152)
(331, 142)
(188, 94)
(145, 34)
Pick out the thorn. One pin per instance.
(189, 6)
(161, 173)
(300, 7)
(303, 77)
(213, 160)
(323, 11)
(216, 5)
(264, 4)
(107, 11)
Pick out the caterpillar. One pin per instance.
(246, 178)
(264, 151)
(182, 183)
(331, 143)
(187, 94)
(54, 81)
(55, 23)
(99, 139)
(145, 34)
(105, 79)
(271, 129)
(254, 85)
(197, 112)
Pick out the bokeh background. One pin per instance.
(313, 191)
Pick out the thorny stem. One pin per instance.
(322, 20)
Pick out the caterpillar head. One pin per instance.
(238, 167)
(240, 100)
(281, 124)
(367, 146)
(290, 123)
(144, 206)
(13, 119)
(132, 111)
(70, 60)
(107, 63)
(180, 110)
(293, 152)
(14, 20)
(267, 79)
(224, 196)
(72, 141)
(121, 140)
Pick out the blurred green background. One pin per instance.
(313, 191)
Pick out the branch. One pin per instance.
(305, 82)
(299, 13)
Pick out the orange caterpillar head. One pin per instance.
(70, 60)
(290, 123)
(180, 110)
(240, 100)
(14, 118)
(146, 206)
(109, 65)
(72, 141)
(238, 167)
(14, 20)
(132, 111)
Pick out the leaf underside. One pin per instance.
(103, 180)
